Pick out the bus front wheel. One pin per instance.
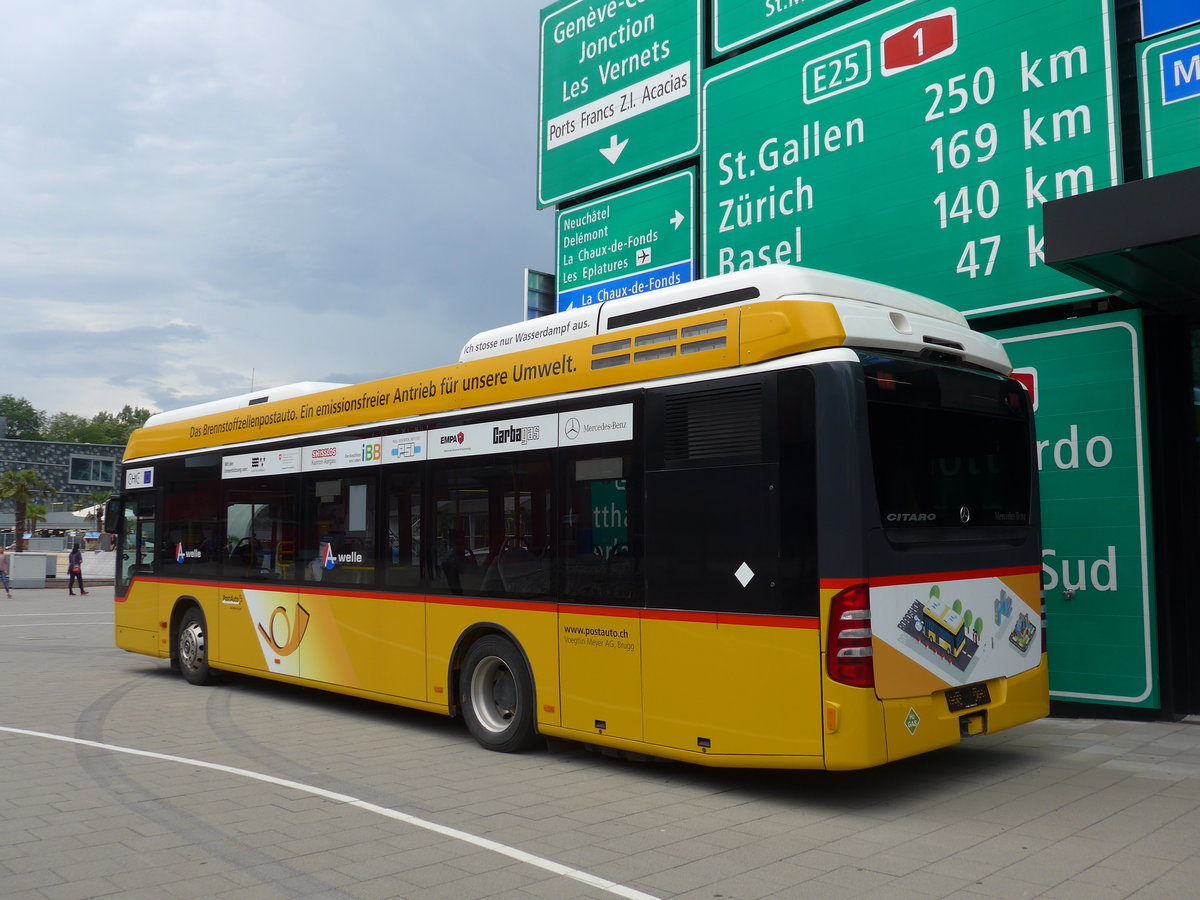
(496, 693)
(191, 648)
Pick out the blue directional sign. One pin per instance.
(1169, 82)
(1181, 73)
(1163, 15)
(633, 241)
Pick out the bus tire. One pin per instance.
(191, 648)
(496, 695)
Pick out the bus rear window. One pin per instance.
(949, 448)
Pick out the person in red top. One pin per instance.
(75, 570)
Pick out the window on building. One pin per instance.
(91, 470)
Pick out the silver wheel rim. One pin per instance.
(191, 646)
(493, 694)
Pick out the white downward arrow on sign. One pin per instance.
(677, 219)
(613, 151)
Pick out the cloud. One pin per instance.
(198, 193)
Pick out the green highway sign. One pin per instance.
(619, 91)
(914, 143)
(636, 240)
(738, 22)
(1169, 84)
(1086, 377)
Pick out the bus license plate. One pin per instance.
(967, 697)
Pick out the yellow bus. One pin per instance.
(699, 524)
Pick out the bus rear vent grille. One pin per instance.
(714, 423)
(660, 345)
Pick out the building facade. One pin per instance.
(75, 471)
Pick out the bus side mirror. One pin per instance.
(112, 515)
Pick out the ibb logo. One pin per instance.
(372, 452)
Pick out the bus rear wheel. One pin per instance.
(191, 648)
(496, 693)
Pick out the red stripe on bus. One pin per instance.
(683, 615)
(613, 612)
(840, 584)
(926, 577)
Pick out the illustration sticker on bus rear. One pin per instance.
(960, 631)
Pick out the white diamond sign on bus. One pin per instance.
(619, 91)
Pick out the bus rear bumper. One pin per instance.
(916, 725)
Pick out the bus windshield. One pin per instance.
(949, 447)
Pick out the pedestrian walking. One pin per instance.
(4, 572)
(75, 571)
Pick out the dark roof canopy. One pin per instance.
(1139, 241)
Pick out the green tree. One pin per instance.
(129, 418)
(34, 513)
(102, 428)
(24, 422)
(64, 427)
(23, 487)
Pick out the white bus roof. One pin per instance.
(772, 282)
(283, 392)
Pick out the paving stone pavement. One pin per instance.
(251, 789)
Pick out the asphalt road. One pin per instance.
(119, 779)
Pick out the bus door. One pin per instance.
(136, 558)
(262, 621)
(600, 651)
(731, 630)
(955, 561)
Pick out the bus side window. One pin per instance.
(598, 552)
(493, 527)
(402, 564)
(137, 548)
(259, 519)
(338, 539)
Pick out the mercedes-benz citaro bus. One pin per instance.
(712, 522)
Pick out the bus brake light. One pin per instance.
(849, 654)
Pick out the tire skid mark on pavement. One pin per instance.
(547, 865)
(149, 805)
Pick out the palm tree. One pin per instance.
(34, 513)
(22, 488)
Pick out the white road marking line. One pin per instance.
(548, 865)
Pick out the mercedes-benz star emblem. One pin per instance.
(964, 514)
(571, 429)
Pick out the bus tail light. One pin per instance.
(849, 653)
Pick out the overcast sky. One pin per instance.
(198, 192)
